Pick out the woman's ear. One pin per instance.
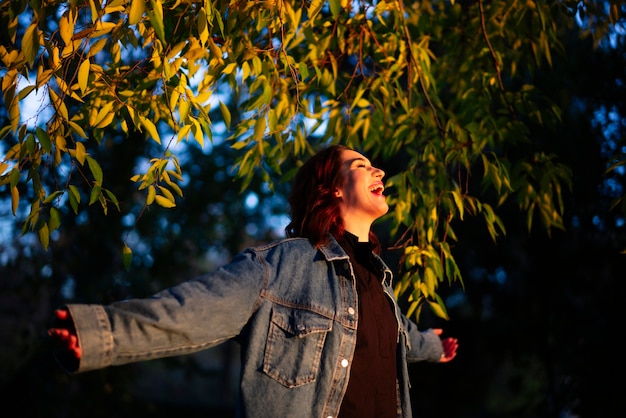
(338, 193)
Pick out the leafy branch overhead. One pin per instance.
(443, 87)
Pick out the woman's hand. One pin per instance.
(64, 334)
(449, 346)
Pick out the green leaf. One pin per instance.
(44, 140)
(95, 194)
(52, 196)
(25, 92)
(156, 19)
(225, 114)
(95, 168)
(127, 256)
(438, 310)
(55, 219)
(112, 198)
(74, 196)
(335, 7)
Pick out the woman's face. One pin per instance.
(362, 199)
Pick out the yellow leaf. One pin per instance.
(95, 10)
(203, 29)
(78, 129)
(60, 143)
(151, 195)
(15, 199)
(97, 47)
(183, 109)
(245, 70)
(151, 128)
(43, 76)
(184, 132)
(108, 118)
(174, 99)
(164, 202)
(259, 129)
(62, 85)
(458, 200)
(197, 130)
(423, 288)
(433, 214)
(437, 310)
(9, 58)
(66, 28)
(126, 93)
(175, 187)
(80, 153)
(131, 112)
(58, 104)
(175, 50)
(14, 114)
(102, 28)
(30, 43)
(215, 50)
(314, 8)
(229, 68)
(137, 7)
(362, 103)
(167, 193)
(83, 75)
(71, 48)
(44, 236)
(102, 113)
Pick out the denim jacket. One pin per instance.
(293, 309)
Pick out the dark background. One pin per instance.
(538, 316)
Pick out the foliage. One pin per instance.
(446, 85)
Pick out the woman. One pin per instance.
(321, 334)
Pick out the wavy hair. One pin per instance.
(315, 212)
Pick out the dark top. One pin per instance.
(372, 389)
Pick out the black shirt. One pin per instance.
(372, 389)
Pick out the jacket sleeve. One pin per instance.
(421, 345)
(186, 318)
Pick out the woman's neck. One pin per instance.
(363, 234)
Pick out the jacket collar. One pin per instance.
(332, 251)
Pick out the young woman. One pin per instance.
(321, 334)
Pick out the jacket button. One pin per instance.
(344, 363)
(351, 310)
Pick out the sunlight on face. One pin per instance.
(362, 199)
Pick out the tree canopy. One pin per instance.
(443, 93)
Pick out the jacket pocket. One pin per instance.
(294, 345)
